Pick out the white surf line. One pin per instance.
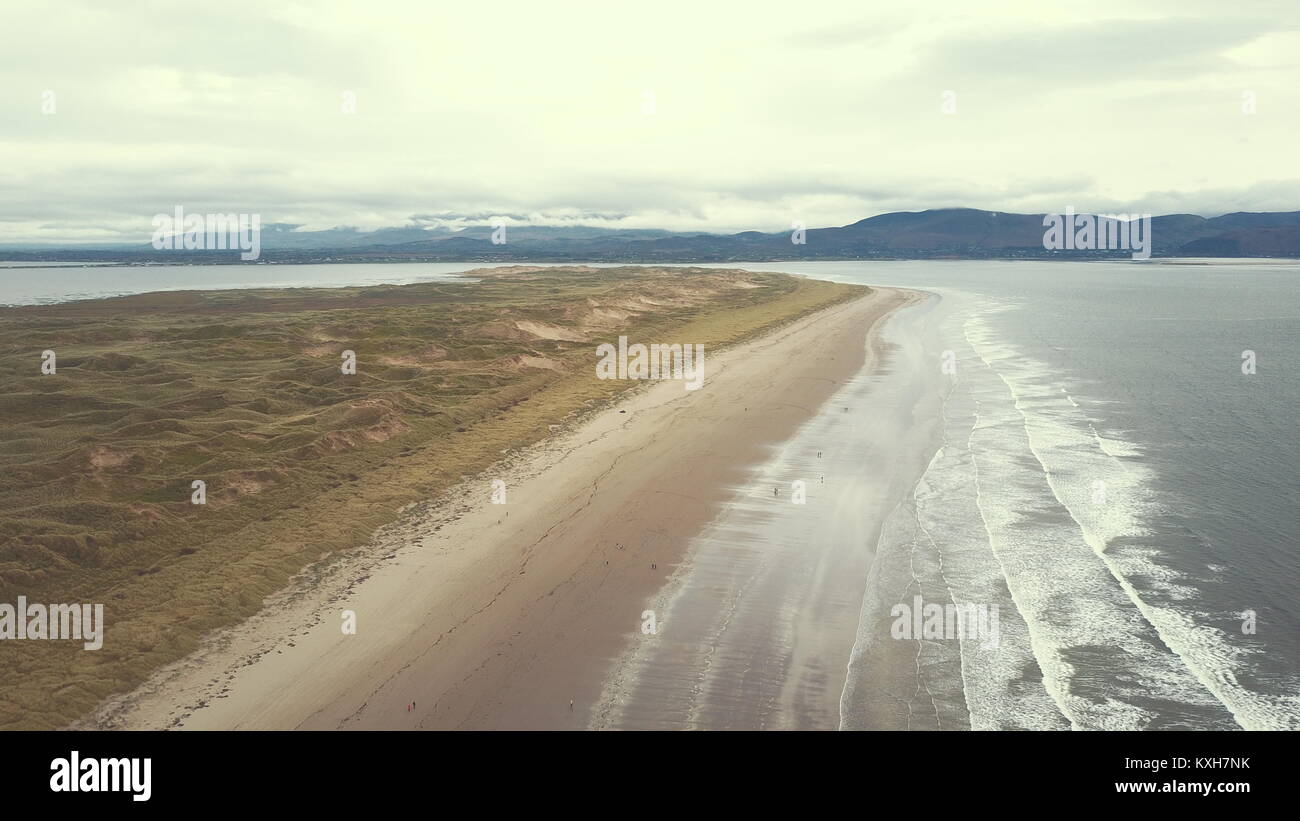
(974, 707)
(1050, 640)
(938, 552)
(938, 720)
(1055, 688)
(1033, 641)
(1177, 646)
(916, 511)
(920, 589)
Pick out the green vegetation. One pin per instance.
(243, 390)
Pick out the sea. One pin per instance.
(1115, 468)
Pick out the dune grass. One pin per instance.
(244, 391)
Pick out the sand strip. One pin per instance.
(499, 616)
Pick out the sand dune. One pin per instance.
(478, 615)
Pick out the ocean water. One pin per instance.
(1110, 479)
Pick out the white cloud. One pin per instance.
(824, 112)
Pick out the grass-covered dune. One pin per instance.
(244, 391)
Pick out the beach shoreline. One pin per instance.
(475, 615)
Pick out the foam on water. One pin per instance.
(1094, 604)
(1029, 497)
(1135, 606)
(1027, 504)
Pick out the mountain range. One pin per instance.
(939, 233)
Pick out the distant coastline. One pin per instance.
(945, 233)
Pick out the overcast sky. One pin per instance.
(693, 115)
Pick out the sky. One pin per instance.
(710, 116)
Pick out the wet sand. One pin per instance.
(758, 626)
(472, 615)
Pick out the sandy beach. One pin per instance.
(474, 615)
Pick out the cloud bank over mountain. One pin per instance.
(328, 115)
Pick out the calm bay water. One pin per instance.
(45, 283)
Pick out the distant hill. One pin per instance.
(963, 233)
